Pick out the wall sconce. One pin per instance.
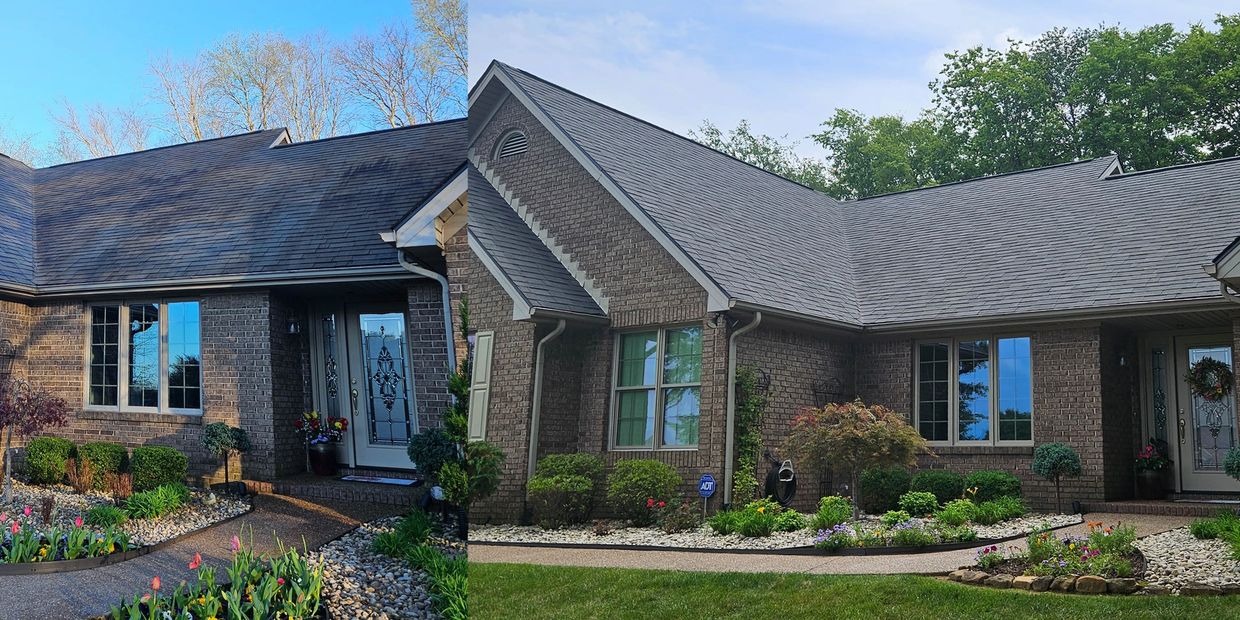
(1123, 361)
(294, 326)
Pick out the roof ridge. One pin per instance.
(657, 127)
(985, 177)
(1191, 164)
(163, 147)
(17, 161)
(370, 133)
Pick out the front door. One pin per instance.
(1206, 430)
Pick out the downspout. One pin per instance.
(730, 429)
(447, 302)
(536, 407)
(1227, 294)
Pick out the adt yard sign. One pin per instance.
(706, 485)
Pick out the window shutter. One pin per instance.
(480, 385)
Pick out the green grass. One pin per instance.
(530, 592)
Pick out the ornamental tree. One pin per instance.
(223, 441)
(25, 410)
(1053, 461)
(851, 437)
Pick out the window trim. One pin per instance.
(953, 388)
(658, 387)
(122, 371)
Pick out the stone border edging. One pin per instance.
(69, 566)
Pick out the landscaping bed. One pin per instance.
(1202, 559)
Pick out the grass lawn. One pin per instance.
(529, 592)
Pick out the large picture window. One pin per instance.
(658, 385)
(975, 390)
(145, 357)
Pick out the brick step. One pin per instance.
(311, 488)
(1163, 508)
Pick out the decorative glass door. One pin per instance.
(1205, 429)
(379, 387)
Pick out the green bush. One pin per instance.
(832, 511)
(635, 481)
(46, 457)
(724, 522)
(957, 512)
(790, 521)
(919, 503)
(893, 517)
(576, 464)
(1002, 509)
(559, 500)
(991, 484)
(391, 544)
(911, 537)
(881, 488)
(106, 516)
(1216, 526)
(754, 524)
(1054, 461)
(157, 502)
(155, 466)
(105, 458)
(415, 526)
(681, 517)
(945, 485)
(430, 449)
(1231, 464)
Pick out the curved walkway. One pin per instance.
(92, 592)
(921, 563)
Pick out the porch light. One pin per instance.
(294, 326)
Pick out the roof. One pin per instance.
(1073, 238)
(518, 259)
(16, 223)
(236, 206)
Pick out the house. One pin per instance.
(242, 280)
(618, 274)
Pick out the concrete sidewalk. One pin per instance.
(921, 563)
(92, 592)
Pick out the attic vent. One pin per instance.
(514, 143)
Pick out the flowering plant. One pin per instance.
(1150, 458)
(24, 541)
(318, 429)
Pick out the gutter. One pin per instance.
(1225, 289)
(730, 429)
(447, 302)
(536, 408)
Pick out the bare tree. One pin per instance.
(19, 147)
(445, 24)
(312, 102)
(246, 73)
(100, 132)
(383, 71)
(191, 106)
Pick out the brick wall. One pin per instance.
(457, 259)
(1121, 410)
(559, 427)
(290, 384)
(15, 328)
(428, 354)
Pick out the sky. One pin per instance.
(88, 51)
(785, 65)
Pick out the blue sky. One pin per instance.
(783, 64)
(97, 51)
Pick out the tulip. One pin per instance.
(155, 583)
(26, 511)
(77, 522)
(196, 562)
(235, 544)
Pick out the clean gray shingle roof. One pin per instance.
(16, 223)
(1060, 238)
(525, 261)
(233, 206)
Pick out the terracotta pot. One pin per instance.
(323, 459)
(1152, 484)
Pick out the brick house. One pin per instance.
(618, 274)
(240, 280)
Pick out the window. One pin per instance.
(658, 385)
(975, 390)
(153, 364)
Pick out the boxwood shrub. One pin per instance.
(992, 485)
(46, 457)
(881, 488)
(919, 503)
(155, 466)
(576, 464)
(945, 485)
(105, 458)
(560, 500)
(634, 481)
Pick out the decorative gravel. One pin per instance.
(704, 538)
(359, 583)
(1174, 559)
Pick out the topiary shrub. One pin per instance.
(1053, 461)
(155, 466)
(881, 488)
(46, 458)
(992, 485)
(105, 459)
(559, 500)
(632, 482)
(945, 485)
(430, 449)
(919, 503)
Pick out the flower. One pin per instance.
(26, 511)
(155, 583)
(761, 510)
(280, 580)
(650, 502)
(235, 544)
(77, 522)
(15, 528)
(662, 504)
(196, 562)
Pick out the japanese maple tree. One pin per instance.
(25, 410)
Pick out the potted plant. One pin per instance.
(223, 441)
(1152, 466)
(322, 435)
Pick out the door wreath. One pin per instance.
(1209, 378)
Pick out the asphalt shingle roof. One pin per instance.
(526, 262)
(232, 206)
(1060, 238)
(16, 223)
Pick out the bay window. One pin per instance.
(974, 391)
(657, 389)
(145, 356)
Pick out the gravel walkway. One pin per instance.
(1175, 559)
(87, 593)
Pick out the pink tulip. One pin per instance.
(196, 562)
(15, 528)
(27, 511)
(155, 584)
(4, 516)
(235, 544)
(77, 522)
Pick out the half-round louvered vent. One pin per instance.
(514, 143)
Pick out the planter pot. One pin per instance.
(323, 459)
(1152, 484)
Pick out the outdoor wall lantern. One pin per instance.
(294, 326)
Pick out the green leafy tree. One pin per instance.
(223, 441)
(777, 155)
(1054, 461)
(882, 154)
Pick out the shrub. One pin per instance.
(911, 537)
(155, 466)
(559, 500)
(957, 512)
(1204, 529)
(430, 449)
(1002, 509)
(724, 522)
(755, 524)
(104, 458)
(635, 481)
(893, 517)
(919, 503)
(1053, 461)
(992, 485)
(945, 485)
(416, 526)
(577, 464)
(157, 502)
(681, 518)
(832, 511)
(46, 458)
(391, 544)
(881, 488)
(106, 516)
(1231, 464)
(79, 475)
(790, 521)
(1117, 540)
